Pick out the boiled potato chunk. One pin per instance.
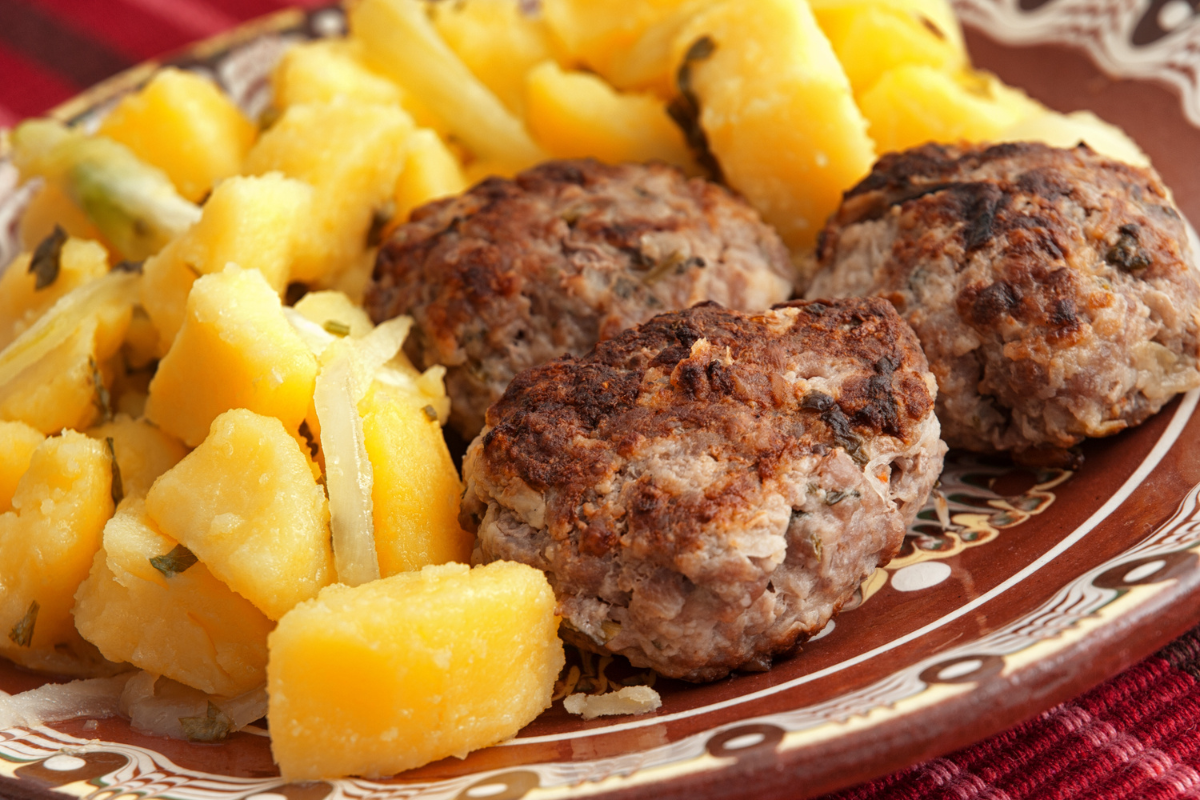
(175, 619)
(576, 114)
(401, 41)
(256, 223)
(17, 443)
(246, 503)
(48, 540)
(430, 172)
(143, 451)
(22, 302)
(871, 38)
(416, 489)
(235, 350)
(1068, 130)
(335, 313)
(497, 41)
(67, 387)
(776, 107)
(399, 672)
(186, 126)
(351, 153)
(50, 207)
(914, 104)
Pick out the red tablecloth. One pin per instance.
(1137, 736)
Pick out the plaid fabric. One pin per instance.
(1133, 737)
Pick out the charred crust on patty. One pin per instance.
(637, 475)
(515, 272)
(1052, 289)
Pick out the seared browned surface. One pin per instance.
(517, 272)
(706, 490)
(1052, 289)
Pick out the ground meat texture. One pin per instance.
(517, 272)
(1053, 290)
(706, 490)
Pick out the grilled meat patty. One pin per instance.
(1052, 290)
(516, 272)
(706, 490)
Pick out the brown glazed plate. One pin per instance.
(1039, 587)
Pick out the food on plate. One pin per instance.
(36, 280)
(1053, 290)
(516, 272)
(148, 602)
(18, 441)
(706, 490)
(383, 677)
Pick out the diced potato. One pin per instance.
(257, 223)
(21, 302)
(246, 503)
(235, 350)
(62, 389)
(334, 69)
(186, 126)
(401, 42)
(173, 619)
(776, 107)
(390, 675)
(17, 443)
(430, 172)
(912, 105)
(143, 452)
(49, 207)
(873, 37)
(416, 490)
(351, 153)
(1068, 130)
(140, 348)
(575, 114)
(497, 41)
(47, 542)
(335, 313)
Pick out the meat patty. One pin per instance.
(706, 490)
(1052, 290)
(516, 272)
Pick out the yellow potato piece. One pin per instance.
(776, 107)
(870, 38)
(17, 443)
(235, 350)
(335, 312)
(246, 503)
(351, 154)
(914, 104)
(575, 114)
(395, 673)
(47, 543)
(51, 206)
(187, 626)
(401, 42)
(416, 491)
(183, 124)
(254, 222)
(497, 41)
(1068, 130)
(143, 451)
(430, 172)
(22, 303)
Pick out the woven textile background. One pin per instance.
(1137, 736)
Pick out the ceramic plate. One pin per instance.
(1021, 591)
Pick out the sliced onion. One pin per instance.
(161, 706)
(96, 698)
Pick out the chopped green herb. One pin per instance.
(337, 328)
(103, 398)
(47, 259)
(118, 488)
(684, 110)
(430, 413)
(212, 727)
(22, 632)
(1127, 254)
(309, 439)
(833, 498)
(180, 559)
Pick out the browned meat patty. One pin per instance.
(706, 490)
(516, 272)
(1052, 290)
